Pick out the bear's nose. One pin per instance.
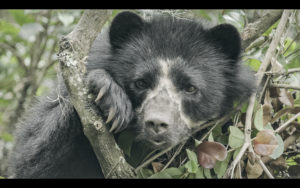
(156, 125)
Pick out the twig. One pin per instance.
(291, 43)
(257, 28)
(294, 52)
(14, 51)
(282, 127)
(262, 164)
(153, 158)
(285, 86)
(247, 139)
(271, 50)
(175, 154)
(294, 70)
(260, 73)
(263, 92)
(290, 71)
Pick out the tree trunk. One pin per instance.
(73, 49)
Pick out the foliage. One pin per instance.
(28, 50)
(28, 45)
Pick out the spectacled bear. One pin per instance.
(160, 77)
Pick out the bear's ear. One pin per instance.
(227, 38)
(124, 25)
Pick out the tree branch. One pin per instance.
(285, 86)
(257, 28)
(282, 127)
(260, 73)
(73, 48)
(271, 50)
(14, 51)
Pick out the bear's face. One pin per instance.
(176, 73)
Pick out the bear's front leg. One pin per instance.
(111, 99)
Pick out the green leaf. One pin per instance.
(292, 47)
(6, 137)
(291, 161)
(191, 155)
(269, 126)
(236, 137)
(191, 166)
(207, 172)
(8, 28)
(244, 107)
(160, 175)
(144, 173)
(199, 173)
(223, 139)
(280, 148)
(254, 64)
(217, 131)
(197, 142)
(271, 28)
(258, 120)
(221, 166)
(210, 137)
(173, 172)
(22, 18)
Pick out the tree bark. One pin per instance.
(254, 30)
(73, 49)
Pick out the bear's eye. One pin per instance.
(141, 84)
(190, 89)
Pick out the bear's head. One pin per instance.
(176, 72)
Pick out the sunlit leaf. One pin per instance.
(254, 64)
(191, 166)
(280, 149)
(191, 155)
(210, 137)
(258, 119)
(8, 28)
(236, 137)
(22, 18)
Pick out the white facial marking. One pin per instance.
(165, 83)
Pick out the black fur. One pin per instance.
(125, 65)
